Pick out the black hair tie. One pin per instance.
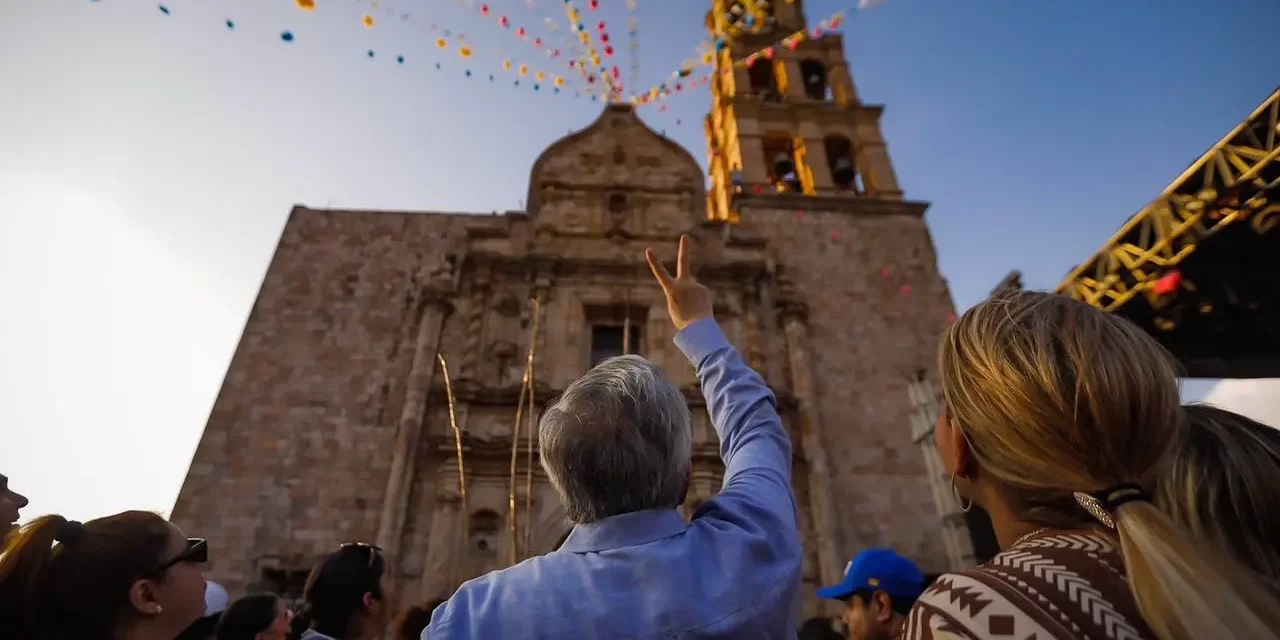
(69, 532)
(1101, 504)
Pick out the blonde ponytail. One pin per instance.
(1056, 397)
(1186, 590)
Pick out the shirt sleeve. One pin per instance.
(755, 448)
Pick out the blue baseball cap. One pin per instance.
(878, 570)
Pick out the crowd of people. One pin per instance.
(1120, 514)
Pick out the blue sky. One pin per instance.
(148, 162)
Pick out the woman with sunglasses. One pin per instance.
(129, 576)
(347, 597)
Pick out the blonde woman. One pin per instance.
(1220, 484)
(1054, 412)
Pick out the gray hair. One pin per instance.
(617, 441)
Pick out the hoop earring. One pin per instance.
(964, 508)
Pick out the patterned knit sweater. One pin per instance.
(1051, 586)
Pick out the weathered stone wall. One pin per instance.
(294, 457)
(877, 305)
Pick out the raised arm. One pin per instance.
(741, 405)
(753, 444)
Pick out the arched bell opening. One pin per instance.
(844, 174)
(763, 79)
(814, 75)
(784, 172)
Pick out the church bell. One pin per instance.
(813, 82)
(842, 172)
(782, 165)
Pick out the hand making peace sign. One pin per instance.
(687, 300)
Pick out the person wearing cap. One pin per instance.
(879, 588)
(215, 602)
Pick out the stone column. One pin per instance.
(772, 363)
(754, 348)
(873, 163)
(753, 160)
(790, 65)
(816, 157)
(794, 314)
(440, 570)
(477, 310)
(841, 82)
(395, 501)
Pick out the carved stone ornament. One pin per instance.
(508, 306)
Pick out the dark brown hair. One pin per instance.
(1220, 483)
(248, 616)
(80, 587)
(335, 590)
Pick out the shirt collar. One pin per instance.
(626, 530)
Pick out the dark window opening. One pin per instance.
(617, 203)
(814, 76)
(844, 174)
(484, 521)
(608, 341)
(763, 80)
(484, 527)
(784, 175)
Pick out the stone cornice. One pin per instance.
(690, 190)
(491, 457)
(479, 394)
(853, 205)
(545, 268)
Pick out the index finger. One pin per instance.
(682, 258)
(659, 271)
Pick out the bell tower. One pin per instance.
(785, 114)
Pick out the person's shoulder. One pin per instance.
(971, 582)
(958, 605)
(529, 599)
(477, 593)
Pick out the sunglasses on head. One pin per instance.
(374, 549)
(197, 551)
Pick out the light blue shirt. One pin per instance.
(732, 573)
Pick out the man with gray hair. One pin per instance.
(616, 446)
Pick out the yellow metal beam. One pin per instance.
(1225, 186)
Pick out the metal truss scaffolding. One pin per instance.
(1235, 183)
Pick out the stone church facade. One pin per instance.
(334, 421)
